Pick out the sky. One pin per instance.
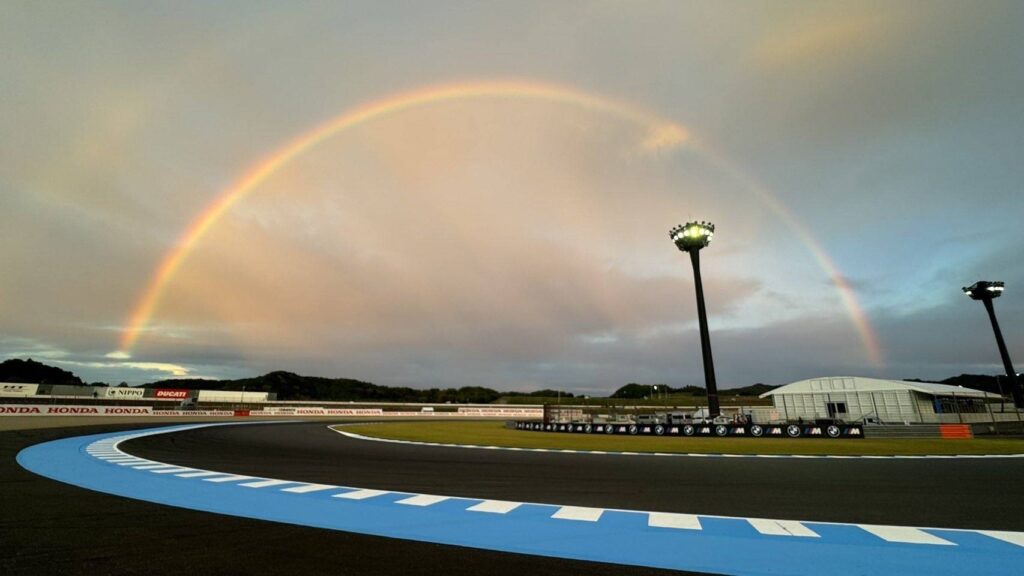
(479, 193)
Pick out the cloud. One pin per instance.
(823, 37)
(506, 242)
(665, 137)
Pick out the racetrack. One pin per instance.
(937, 493)
(49, 527)
(940, 493)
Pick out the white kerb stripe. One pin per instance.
(423, 500)
(361, 494)
(781, 528)
(1011, 537)
(171, 470)
(905, 535)
(154, 466)
(667, 520)
(265, 483)
(309, 488)
(578, 513)
(495, 506)
(199, 474)
(228, 478)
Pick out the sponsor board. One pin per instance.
(123, 393)
(13, 389)
(485, 411)
(318, 412)
(294, 411)
(350, 412)
(231, 396)
(64, 410)
(172, 393)
(193, 413)
(714, 430)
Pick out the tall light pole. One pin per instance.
(691, 237)
(986, 291)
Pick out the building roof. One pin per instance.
(860, 384)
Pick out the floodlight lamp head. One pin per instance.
(692, 235)
(984, 290)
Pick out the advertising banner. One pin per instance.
(123, 393)
(509, 412)
(193, 413)
(59, 410)
(699, 429)
(172, 393)
(231, 396)
(316, 411)
(12, 389)
(348, 411)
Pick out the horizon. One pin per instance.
(504, 391)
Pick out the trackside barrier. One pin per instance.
(707, 430)
(505, 412)
(66, 410)
(102, 410)
(194, 413)
(955, 431)
(317, 412)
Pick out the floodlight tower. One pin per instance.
(691, 237)
(986, 291)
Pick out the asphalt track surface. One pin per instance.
(50, 527)
(969, 493)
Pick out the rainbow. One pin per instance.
(861, 323)
(661, 134)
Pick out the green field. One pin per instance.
(495, 434)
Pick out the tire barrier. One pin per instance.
(706, 430)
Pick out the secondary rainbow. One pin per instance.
(661, 134)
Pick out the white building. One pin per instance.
(852, 398)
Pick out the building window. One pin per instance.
(835, 408)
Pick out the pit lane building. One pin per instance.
(853, 399)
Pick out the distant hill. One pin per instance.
(33, 372)
(752, 390)
(976, 381)
(639, 391)
(289, 386)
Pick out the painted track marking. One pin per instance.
(228, 478)
(579, 513)
(362, 494)
(1011, 537)
(904, 535)
(198, 474)
(495, 506)
(781, 528)
(423, 500)
(265, 483)
(307, 488)
(670, 520)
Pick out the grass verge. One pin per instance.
(495, 434)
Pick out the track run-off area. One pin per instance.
(711, 515)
